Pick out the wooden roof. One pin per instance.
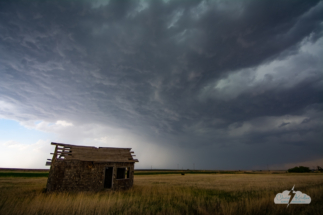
(91, 153)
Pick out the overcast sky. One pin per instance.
(218, 84)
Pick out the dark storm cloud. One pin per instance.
(181, 72)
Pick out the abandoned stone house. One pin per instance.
(87, 168)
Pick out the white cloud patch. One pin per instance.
(39, 146)
(19, 155)
(44, 126)
(63, 123)
(15, 144)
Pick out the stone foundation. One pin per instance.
(73, 175)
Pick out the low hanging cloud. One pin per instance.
(280, 74)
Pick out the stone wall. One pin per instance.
(73, 175)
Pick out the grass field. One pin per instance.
(167, 194)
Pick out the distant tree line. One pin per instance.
(299, 169)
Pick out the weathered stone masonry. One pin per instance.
(74, 172)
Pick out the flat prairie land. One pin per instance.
(168, 194)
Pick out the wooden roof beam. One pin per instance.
(66, 145)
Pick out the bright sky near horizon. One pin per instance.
(216, 84)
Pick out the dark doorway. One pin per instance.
(108, 177)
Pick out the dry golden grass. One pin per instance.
(168, 194)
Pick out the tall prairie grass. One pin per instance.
(168, 194)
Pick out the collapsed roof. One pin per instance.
(91, 153)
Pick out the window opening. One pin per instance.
(121, 173)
